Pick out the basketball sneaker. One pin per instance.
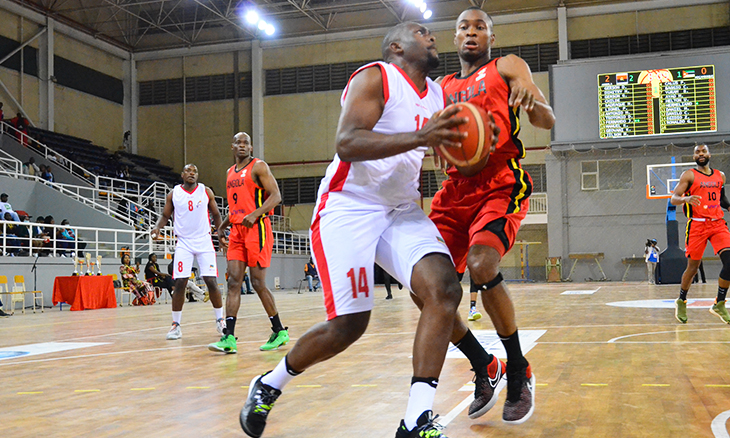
(680, 310)
(474, 314)
(220, 324)
(261, 398)
(520, 403)
(718, 309)
(426, 427)
(489, 382)
(227, 344)
(276, 340)
(175, 332)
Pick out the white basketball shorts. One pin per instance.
(349, 236)
(188, 249)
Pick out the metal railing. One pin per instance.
(115, 205)
(10, 163)
(28, 239)
(538, 203)
(290, 243)
(50, 154)
(284, 243)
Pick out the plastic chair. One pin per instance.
(19, 285)
(123, 291)
(17, 297)
(4, 287)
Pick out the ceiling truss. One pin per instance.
(143, 25)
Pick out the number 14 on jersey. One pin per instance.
(359, 284)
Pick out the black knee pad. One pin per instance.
(492, 283)
(725, 272)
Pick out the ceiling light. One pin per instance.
(252, 17)
(262, 25)
(423, 7)
(427, 14)
(270, 29)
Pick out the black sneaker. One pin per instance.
(3, 314)
(260, 400)
(489, 382)
(426, 426)
(520, 403)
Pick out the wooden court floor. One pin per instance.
(602, 371)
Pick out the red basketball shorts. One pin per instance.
(252, 246)
(486, 209)
(698, 233)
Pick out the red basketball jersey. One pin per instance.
(707, 187)
(244, 195)
(486, 88)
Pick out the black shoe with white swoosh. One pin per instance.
(489, 382)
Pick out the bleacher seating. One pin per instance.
(98, 160)
(154, 167)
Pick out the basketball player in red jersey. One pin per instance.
(252, 194)
(702, 192)
(479, 209)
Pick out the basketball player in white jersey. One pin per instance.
(366, 213)
(192, 202)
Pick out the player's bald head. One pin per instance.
(190, 167)
(396, 34)
(701, 146)
(241, 135)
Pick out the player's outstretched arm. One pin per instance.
(524, 92)
(164, 218)
(265, 178)
(678, 197)
(363, 107)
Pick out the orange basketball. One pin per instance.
(477, 144)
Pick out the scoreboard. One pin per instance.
(656, 102)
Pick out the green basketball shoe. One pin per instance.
(276, 340)
(718, 309)
(227, 344)
(680, 310)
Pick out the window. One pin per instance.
(589, 175)
(431, 182)
(299, 190)
(539, 177)
(650, 42)
(606, 175)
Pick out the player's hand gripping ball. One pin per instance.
(477, 145)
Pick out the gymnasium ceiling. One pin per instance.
(142, 25)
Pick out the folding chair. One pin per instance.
(122, 292)
(19, 285)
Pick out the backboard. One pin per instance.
(661, 179)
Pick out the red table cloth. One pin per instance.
(85, 292)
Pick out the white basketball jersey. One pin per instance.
(191, 219)
(394, 180)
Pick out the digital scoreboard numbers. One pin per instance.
(656, 102)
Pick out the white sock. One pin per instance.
(218, 313)
(177, 316)
(279, 377)
(419, 400)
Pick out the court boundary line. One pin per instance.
(613, 340)
(718, 425)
